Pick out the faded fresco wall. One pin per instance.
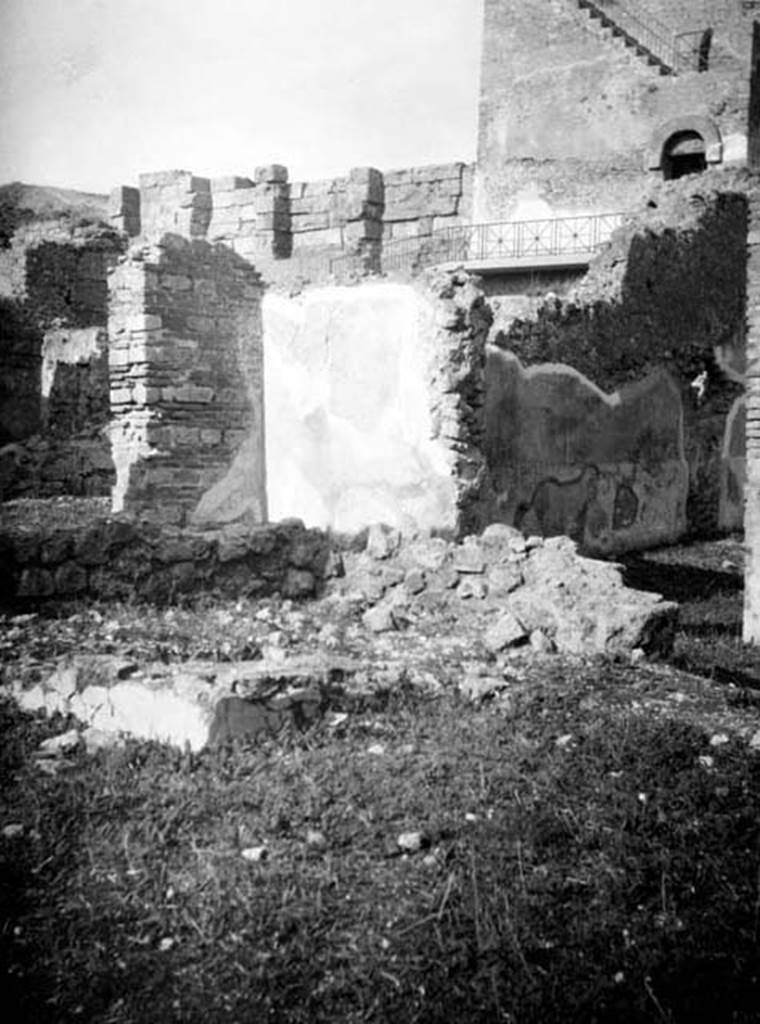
(372, 399)
(654, 332)
(565, 457)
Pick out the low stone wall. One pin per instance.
(119, 558)
(45, 467)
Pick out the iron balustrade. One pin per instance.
(483, 243)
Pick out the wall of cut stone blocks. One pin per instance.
(424, 199)
(186, 380)
(267, 219)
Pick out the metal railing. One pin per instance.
(674, 52)
(526, 240)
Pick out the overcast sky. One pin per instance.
(92, 92)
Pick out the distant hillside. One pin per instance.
(20, 203)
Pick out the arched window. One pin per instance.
(686, 145)
(683, 153)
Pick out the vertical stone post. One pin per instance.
(124, 209)
(272, 202)
(365, 204)
(751, 628)
(175, 202)
(186, 380)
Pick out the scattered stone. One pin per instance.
(754, 743)
(429, 553)
(472, 587)
(414, 581)
(476, 688)
(56, 745)
(99, 739)
(468, 558)
(499, 535)
(13, 830)
(379, 619)
(540, 642)
(563, 742)
(411, 842)
(376, 750)
(392, 575)
(705, 761)
(503, 579)
(166, 944)
(719, 739)
(382, 541)
(505, 632)
(316, 839)
(255, 854)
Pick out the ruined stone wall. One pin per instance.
(119, 558)
(609, 417)
(253, 216)
(568, 114)
(186, 383)
(53, 357)
(374, 401)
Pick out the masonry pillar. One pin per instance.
(186, 380)
(365, 204)
(124, 209)
(751, 628)
(174, 201)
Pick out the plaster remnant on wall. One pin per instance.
(68, 346)
(349, 430)
(609, 470)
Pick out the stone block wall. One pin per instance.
(186, 383)
(253, 216)
(174, 202)
(341, 213)
(424, 199)
(119, 558)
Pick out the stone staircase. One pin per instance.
(648, 38)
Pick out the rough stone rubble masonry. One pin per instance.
(186, 383)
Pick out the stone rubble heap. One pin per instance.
(515, 591)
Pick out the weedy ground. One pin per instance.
(589, 844)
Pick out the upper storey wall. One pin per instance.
(557, 87)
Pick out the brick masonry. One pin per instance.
(186, 379)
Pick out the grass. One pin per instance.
(590, 849)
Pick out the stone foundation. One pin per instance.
(119, 558)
